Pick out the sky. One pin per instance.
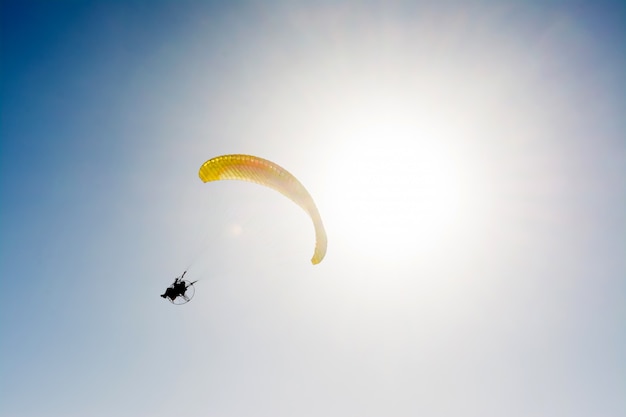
(468, 159)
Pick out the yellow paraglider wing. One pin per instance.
(261, 171)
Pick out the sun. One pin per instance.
(397, 188)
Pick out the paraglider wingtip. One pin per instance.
(318, 255)
(316, 260)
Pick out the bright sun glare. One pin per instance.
(397, 189)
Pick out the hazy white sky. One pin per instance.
(468, 160)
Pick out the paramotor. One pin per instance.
(180, 292)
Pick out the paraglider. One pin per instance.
(180, 292)
(261, 171)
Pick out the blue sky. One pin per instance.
(468, 160)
